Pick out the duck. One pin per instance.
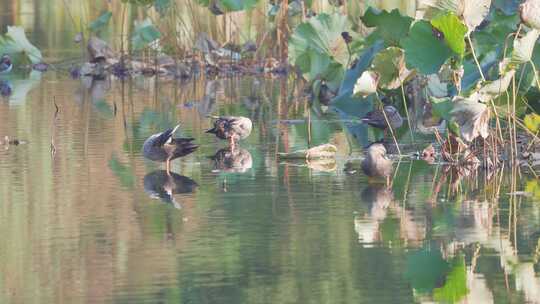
(5, 64)
(377, 164)
(231, 128)
(163, 147)
(376, 118)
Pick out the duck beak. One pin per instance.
(211, 131)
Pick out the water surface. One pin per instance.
(86, 219)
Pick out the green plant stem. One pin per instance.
(389, 126)
(407, 113)
(475, 58)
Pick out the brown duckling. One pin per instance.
(162, 147)
(231, 128)
(376, 164)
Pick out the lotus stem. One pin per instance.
(407, 113)
(475, 58)
(389, 126)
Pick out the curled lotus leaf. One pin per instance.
(366, 84)
(524, 47)
(389, 64)
(529, 11)
(471, 12)
(472, 118)
(495, 88)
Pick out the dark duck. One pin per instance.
(163, 147)
(231, 128)
(376, 118)
(5, 64)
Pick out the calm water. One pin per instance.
(95, 222)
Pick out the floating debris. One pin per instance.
(322, 151)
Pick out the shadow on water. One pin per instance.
(160, 185)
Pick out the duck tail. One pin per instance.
(184, 146)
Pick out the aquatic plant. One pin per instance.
(482, 62)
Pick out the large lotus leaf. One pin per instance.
(390, 66)
(529, 12)
(144, 34)
(524, 46)
(391, 26)
(15, 44)
(453, 30)
(423, 50)
(321, 34)
(455, 287)
(100, 22)
(488, 38)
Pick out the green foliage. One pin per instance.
(425, 268)
(532, 122)
(15, 44)
(319, 50)
(144, 34)
(101, 22)
(454, 31)
(423, 50)
(441, 107)
(391, 26)
(455, 287)
(499, 27)
(230, 5)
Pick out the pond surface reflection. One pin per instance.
(96, 222)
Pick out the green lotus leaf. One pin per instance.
(391, 26)
(423, 50)
(453, 30)
(144, 34)
(455, 287)
(100, 22)
(318, 48)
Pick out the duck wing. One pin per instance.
(181, 147)
(376, 119)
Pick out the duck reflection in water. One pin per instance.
(381, 202)
(232, 160)
(162, 185)
(379, 199)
